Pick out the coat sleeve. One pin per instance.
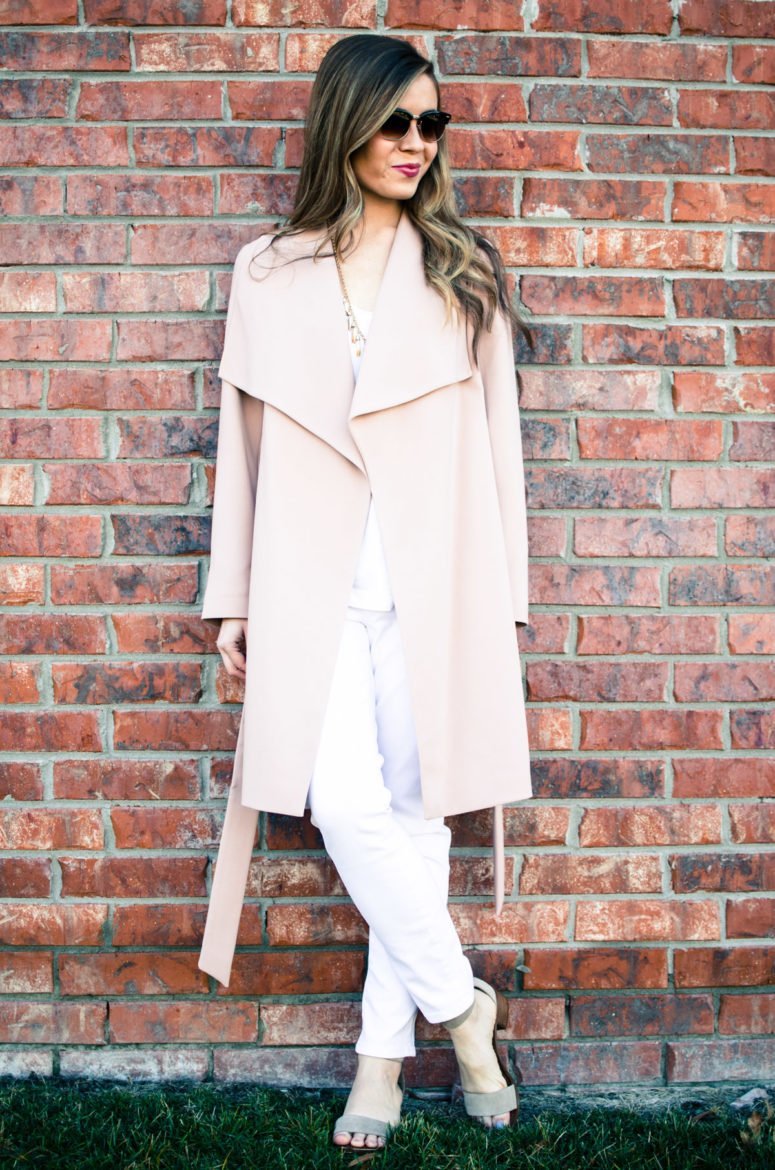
(240, 423)
(496, 362)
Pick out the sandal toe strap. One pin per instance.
(358, 1123)
(490, 1104)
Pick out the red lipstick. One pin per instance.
(410, 169)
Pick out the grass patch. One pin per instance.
(86, 1126)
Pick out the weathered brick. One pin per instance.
(133, 877)
(591, 874)
(723, 393)
(750, 823)
(656, 60)
(722, 585)
(609, 682)
(307, 13)
(647, 345)
(624, 296)
(750, 917)
(697, 682)
(644, 536)
(719, 1060)
(727, 777)
(650, 730)
(724, 966)
(746, 1014)
(645, 633)
(597, 967)
(753, 440)
(651, 825)
(722, 871)
(754, 634)
(33, 1021)
(728, 18)
(213, 1021)
(630, 199)
(722, 202)
(647, 921)
(754, 251)
(568, 778)
(752, 727)
(130, 973)
(750, 536)
(640, 1015)
(27, 50)
(509, 56)
(589, 389)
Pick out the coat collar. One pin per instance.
(287, 342)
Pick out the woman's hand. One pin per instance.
(233, 644)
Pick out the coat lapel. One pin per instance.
(286, 340)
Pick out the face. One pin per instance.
(389, 170)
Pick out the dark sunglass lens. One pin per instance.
(431, 127)
(396, 126)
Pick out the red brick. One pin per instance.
(154, 292)
(651, 825)
(709, 777)
(165, 534)
(165, 828)
(149, 779)
(204, 146)
(28, 972)
(174, 924)
(20, 781)
(20, 389)
(750, 536)
(52, 634)
(30, 195)
(188, 1021)
(752, 634)
(753, 440)
(44, 731)
(721, 487)
(38, 437)
(746, 1014)
(39, 12)
(640, 1015)
(164, 1063)
(147, 340)
(651, 730)
(647, 345)
(135, 101)
(509, 56)
(139, 194)
(49, 339)
(549, 729)
(117, 483)
(596, 967)
(40, 828)
(19, 682)
(753, 64)
(485, 101)
(310, 1023)
(30, 1021)
(652, 920)
(27, 292)
(752, 728)
(133, 877)
(754, 156)
(199, 243)
(130, 973)
(122, 583)
(34, 535)
(453, 14)
(188, 52)
(724, 298)
(484, 195)
(153, 12)
(518, 922)
(724, 966)
(545, 438)
(39, 243)
(282, 101)
(697, 682)
(721, 871)
(646, 633)
(751, 918)
(522, 150)
(63, 146)
(55, 925)
(568, 778)
(611, 585)
(591, 295)
(727, 18)
(722, 202)
(668, 439)
(122, 388)
(524, 824)
(589, 389)
(301, 972)
(723, 393)
(547, 633)
(585, 1063)
(656, 60)
(726, 108)
(20, 584)
(754, 251)
(617, 682)
(671, 154)
(591, 874)
(27, 50)
(25, 877)
(709, 1061)
(751, 823)
(629, 199)
(593, 487)
(652, 248)
(722, 585)
(610, 104)
(650, 16)
(317, 924)
(644, 536)
(292, 1067)
(546, 538)
(40, 97)
(328, 13)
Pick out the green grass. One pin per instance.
(78, 1125)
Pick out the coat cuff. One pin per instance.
(217, 606)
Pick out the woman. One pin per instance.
(369, 529)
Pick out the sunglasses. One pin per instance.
(431, 124)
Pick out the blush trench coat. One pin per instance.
(435, 437)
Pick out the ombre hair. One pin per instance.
(358, 85)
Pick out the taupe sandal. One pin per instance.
(370, 1126)
(505, 1100)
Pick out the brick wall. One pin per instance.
(619, 153)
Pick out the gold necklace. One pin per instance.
(357, 336)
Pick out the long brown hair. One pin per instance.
(358, 85)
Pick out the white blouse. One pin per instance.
(371, 585)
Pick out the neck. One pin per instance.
(380, 216)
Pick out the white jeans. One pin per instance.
(365, 799)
